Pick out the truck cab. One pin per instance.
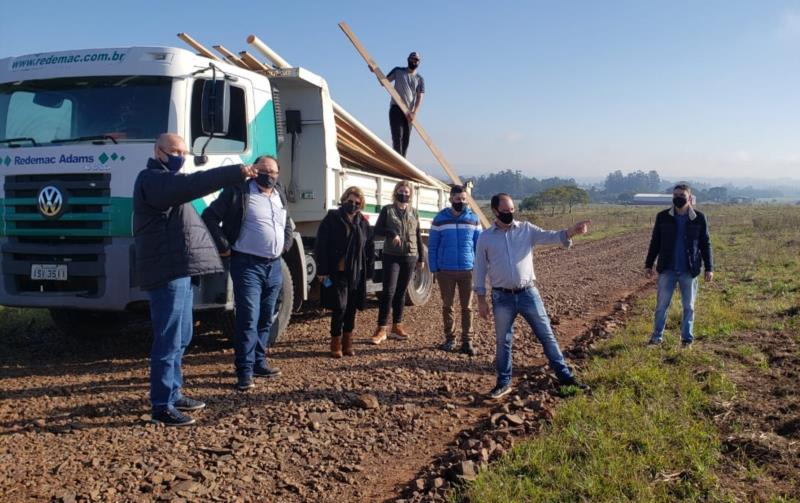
(76, 128)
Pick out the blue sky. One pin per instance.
(557, 88)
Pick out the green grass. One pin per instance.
(645, 434)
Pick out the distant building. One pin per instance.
(657, 199)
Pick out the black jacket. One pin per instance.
(697, 239)
(224, 217)
(331, 246)
(171, 240)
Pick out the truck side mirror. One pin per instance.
(215, 107)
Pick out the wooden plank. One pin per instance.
(422, 133)
(254, 64)
(230, 57)
(197, 46)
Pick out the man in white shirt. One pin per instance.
(505, 253)
(255, 231)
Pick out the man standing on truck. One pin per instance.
(505, 254)
(411, 87)
(172, 246)
(250, 223)
(451, 254)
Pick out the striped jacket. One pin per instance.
(451, 244)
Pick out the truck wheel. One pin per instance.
(283, 310)
(82, 324)
(420, 287)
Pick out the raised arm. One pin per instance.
(163, 189)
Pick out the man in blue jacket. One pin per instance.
(451, 254)
(172, 246)
(680, 240)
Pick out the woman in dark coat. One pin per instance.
(344, 252)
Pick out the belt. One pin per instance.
(511, 290)
(255, 257)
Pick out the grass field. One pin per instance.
(647, 432)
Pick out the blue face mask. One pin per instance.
(174, 162)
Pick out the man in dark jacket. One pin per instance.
(250, 222)
(680, 241)
(172, 245)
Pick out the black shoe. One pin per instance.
(467, 349)
(500, 391)
(686, 344)
(245, 383)
(571, 381)
(266, 371)
(187, 403)
(171, 417)
(448, 345)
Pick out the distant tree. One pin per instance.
(575, 195)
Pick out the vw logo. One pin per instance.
(51, 201)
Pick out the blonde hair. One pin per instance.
(358, 193)
(403, 183)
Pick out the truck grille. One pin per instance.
(75, 237)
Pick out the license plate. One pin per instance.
(49, 272)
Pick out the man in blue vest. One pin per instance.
(681, 241)
(451, 254)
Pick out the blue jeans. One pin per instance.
(257, 283)
(666, 286)
(171, 316)
(506, 306)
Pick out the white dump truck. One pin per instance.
(76, 127)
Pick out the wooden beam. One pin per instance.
(253, 63)
(197, 46)
(230, 57)
(424, 135)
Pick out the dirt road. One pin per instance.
(72, 414)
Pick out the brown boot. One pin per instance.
(347, 344)
(398, 332)
(379, 335)
(336, 347)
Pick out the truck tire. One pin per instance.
(283, 310)
(82, 324)
(420, 287)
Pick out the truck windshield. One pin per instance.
(126, 108)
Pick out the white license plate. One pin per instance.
(49, 272)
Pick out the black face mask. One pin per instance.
(349, 207)
(402, 198)
(505, 216)
(266, 181)
(459, 206)
(679, 202)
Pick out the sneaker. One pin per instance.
(500, 391)
(379, 336)
(266, 371)
(398, 333)
(448, 345)
(686, 344)
(245, 383)
(571, 381)
(467, 349)
(171, 417)
(186, 403)
(654, 342)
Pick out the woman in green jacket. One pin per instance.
(403, 251)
